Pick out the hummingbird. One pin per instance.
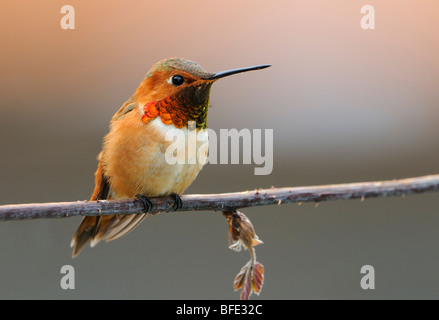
(132, 163)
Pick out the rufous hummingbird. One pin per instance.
(132, 162)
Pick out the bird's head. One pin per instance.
(178, 90)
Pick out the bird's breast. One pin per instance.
(153, 159)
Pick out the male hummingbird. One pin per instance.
(132, 162)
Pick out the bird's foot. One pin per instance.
(177, 201)
(147, 204)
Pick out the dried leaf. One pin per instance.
(236, 246)
(256, 241)
(241, 233)
(240, 230)
(246, 290)
(258, 277)
(247, 232)
(240, 277)
(250, 279)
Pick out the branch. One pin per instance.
(225, 201)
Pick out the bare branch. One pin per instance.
(225, 201)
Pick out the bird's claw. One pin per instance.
(177, 201)
(147, 204)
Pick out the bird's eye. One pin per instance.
(177, 80)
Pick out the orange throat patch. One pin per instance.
(179, 109)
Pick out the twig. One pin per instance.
(225, 201)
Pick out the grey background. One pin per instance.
(346, 105)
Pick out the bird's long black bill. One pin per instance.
(227, 73)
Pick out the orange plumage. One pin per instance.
(132, 161)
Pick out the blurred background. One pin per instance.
(346, 105)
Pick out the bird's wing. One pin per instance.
(99, 228)
(127, 107)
